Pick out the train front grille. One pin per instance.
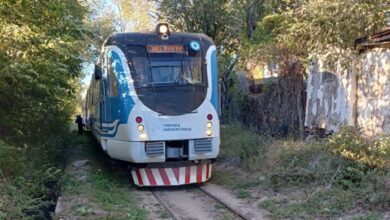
(203, 145)
(155, 149)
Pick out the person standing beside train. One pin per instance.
(79, 122)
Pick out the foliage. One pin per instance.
(217, 19)
(135, 15)
(12, 160)
(304, 27)
(41, 44)
(350, 143)
(316, 25)
(105, 188)
(244, 143)
(314, 181)
(39, 63)
(100, 25)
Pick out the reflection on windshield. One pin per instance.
(156, 73)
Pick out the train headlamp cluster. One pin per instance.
(209, 125)
(162, 29)
(140, 127)
(143, 136)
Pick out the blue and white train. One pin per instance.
(154, 102)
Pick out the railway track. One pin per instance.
(200, 204)
(231, 208)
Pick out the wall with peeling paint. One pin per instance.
(354, 94)
(330, 97)
(373, 93)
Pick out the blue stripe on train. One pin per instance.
(122, 104)
(214, 78)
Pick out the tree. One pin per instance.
(101, 24)
(218, 19)
(136, 15)
(317, 25)
(40, 45)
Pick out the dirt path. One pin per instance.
(96, 188)
(188, 202)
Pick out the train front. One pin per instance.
(173, 125)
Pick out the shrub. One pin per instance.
(350, 143)
(12, 159)
(243, 143)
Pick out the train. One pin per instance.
(153, 101)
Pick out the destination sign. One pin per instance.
(166, 49)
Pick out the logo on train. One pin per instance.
(195, 45)
(174, 127)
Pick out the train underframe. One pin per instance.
(167, 163)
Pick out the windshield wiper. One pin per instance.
(180, 76)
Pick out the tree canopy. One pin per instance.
(40, 45)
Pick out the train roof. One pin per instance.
(143, 38)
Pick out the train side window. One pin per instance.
(196, 69)
(141, 76)
(112, 81)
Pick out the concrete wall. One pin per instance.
(355, 94)
(373, 92)
(330, 96)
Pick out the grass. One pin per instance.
(104, 188)
(315, 180)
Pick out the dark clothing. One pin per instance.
(79, 121)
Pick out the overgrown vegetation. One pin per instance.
(40, 64)
(337, 177)
(107, 194)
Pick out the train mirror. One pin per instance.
(98, 72)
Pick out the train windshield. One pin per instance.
(164, 69)
(170, 83)
(155, 73)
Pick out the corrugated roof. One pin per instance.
(380, 39)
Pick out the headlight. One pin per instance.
(209, 124)
(143, 136)
(209, 132)
(163, 29)
(140, 127)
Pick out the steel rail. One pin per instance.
(162, 202)
(232, 209)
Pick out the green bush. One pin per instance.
(350, 143)
(12, 159)
(244, 143)
(338, 174)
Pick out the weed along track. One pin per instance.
(191, 202)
